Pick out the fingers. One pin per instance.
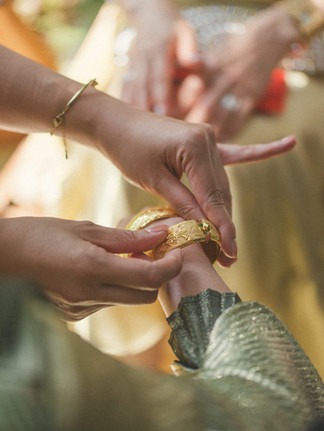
(235, 154)
(210, 185)
(117, 295)
(160, 83)
(186, 47)
(139, 274)
(210, 195)
(179, 197)
(123, 241)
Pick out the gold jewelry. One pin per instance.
(306, 15)
(185, 233)
(58, 120)
(179, 235)
(145, 217)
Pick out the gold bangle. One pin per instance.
(58, 120)
(186, 233)
(147, 216)
(306, 15)
(179, 235)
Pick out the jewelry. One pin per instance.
(145, 217)
(185, 233)
(230, 102)
(307, 16)
(58, 120)
(179, 235)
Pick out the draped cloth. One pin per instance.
(250, 375)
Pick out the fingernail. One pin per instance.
(286, 139)
(159, 108)
(158, 229)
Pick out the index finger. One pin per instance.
(210, 186)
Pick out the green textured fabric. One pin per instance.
(192, 323)
(253, 375)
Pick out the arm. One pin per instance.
(241, 66)
(151, 151)
(165, 42)
(78, 263)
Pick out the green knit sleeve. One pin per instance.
(192, 323)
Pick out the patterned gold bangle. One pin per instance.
(147, 216)
(185, 233)
(179, 235)
(58, 120)
(307, 16)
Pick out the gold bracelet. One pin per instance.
(186, 233)
(147, 216)
(58, 120)
(306, 15)
(179, 235)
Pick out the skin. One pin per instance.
(238, 67)
(197, 274)
(76, 262)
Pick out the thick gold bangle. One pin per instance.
(58, 120)
(306, 15)
(179, 235)
(147, 216)
(185, 233)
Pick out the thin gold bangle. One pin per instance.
(58, 120)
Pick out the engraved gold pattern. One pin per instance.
(180, 235)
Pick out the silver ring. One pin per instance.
(230, 102)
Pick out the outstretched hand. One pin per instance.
(78, 265)
(160, 150)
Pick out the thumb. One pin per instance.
(127, 241)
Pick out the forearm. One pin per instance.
(31, 95)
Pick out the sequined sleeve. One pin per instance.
(245, 352)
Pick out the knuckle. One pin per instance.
(86, 225)
(154, 276)
(185, 210)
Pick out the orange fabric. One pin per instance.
(274, 99)
(17, 36)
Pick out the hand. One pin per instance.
(239, 68)
(197, 274)
(165, 44)
(160, 150)
(77, 263)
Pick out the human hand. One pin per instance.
(197, 273)
(165, 43)
(160, 150)
(77, 263)
(236, 73)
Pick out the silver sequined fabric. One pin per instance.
(213, 20)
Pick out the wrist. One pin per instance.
(306, 15)
(275, 25)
